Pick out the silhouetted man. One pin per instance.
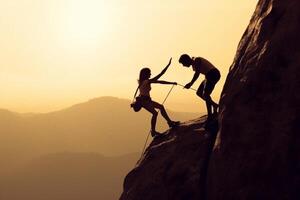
(212, 76)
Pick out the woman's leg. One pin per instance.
(150, 108)
(162, 111)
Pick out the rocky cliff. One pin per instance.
(257, 151)
(173, 166)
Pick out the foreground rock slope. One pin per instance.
(173, 166)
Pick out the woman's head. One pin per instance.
(185, 60)
(145, 74)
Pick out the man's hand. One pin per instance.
(187, 86)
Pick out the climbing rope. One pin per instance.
(150, 130)
(189, 88)
(162, 104)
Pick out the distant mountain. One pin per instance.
(105, 125)
(63, 176)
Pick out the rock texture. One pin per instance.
(257, 153)
(173, 166)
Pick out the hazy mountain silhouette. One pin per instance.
(69, 176)
(105, 125)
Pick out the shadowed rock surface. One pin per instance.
(173, 166)
(257, 153)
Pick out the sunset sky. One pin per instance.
(56, 53)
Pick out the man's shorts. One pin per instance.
(207, 86)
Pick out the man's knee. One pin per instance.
(202, 96)
(199, 93)
(206, 96)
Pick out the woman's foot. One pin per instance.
(173, 123)
(154, 133)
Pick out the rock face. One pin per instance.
(174, 166)
(257, 152)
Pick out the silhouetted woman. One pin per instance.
(146, 101)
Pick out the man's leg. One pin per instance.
(201, 90)
(201, 94)
(209, 86)
(212, 78)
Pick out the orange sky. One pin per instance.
(57, 53)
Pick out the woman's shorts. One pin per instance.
(144, 100)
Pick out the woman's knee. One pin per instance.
(154, 113)
(160, 107)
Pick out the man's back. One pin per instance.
(202, 65)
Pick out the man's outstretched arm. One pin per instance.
(195, 77)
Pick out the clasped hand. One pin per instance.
(187, 86)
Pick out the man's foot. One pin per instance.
(215, 115)
(216, 109)
(209, 118)
(173, 124)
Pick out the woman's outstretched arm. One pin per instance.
(162, 72)
(165, 82)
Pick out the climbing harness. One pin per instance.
(136, 103)
(150, 130)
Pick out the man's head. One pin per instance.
(185, 60)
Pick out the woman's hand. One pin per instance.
(170, 61)
(162, 72)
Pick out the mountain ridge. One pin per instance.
(104, 125)
(101, 99)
